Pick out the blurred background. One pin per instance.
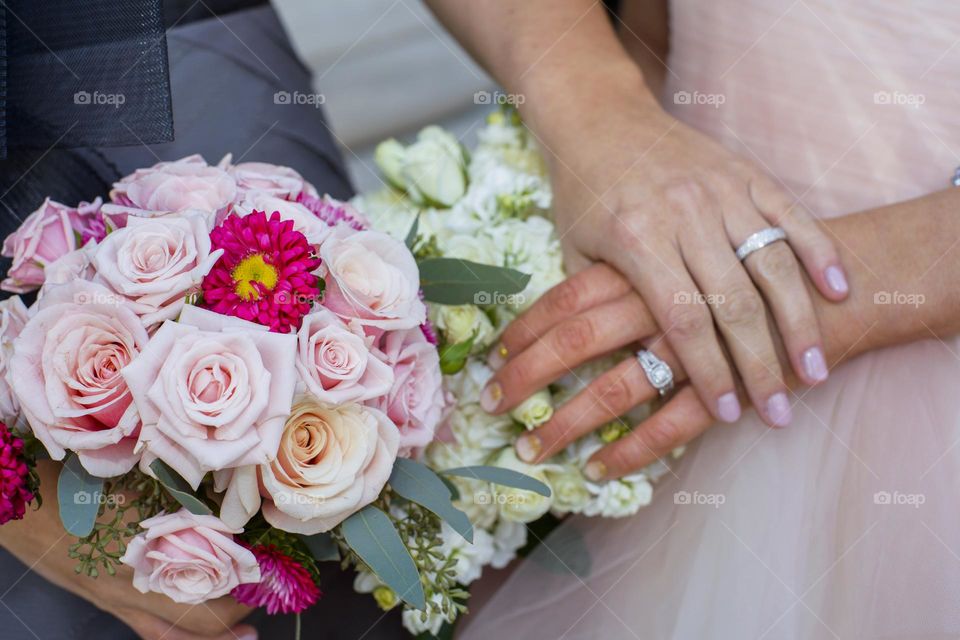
(385, 68)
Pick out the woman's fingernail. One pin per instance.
(728, 407)
(491, 396)
(250, 635)
(814, 364)
(595, 471)
(778, 409)
(836, 279)
(528, 447)
(497, 357)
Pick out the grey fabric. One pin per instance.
(224, 73)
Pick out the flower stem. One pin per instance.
(296, 632)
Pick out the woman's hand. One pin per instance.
(667, 206)
(40, 542)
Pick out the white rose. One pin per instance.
(390, 156)
(570, 492)
(459, 323)
(467, 384)
(155, 263)
(447, 455)
(535, 410)
(520, 505)
(619, 498)
(434, 168)
(475, 500)
(476, 248)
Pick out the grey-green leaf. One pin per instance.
(417, 483)
(372, 536)
(499, 475)
(179, 488)
(412, 233)
(79, 495)
(322, 546)
(456, 281)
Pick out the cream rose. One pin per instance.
(156, 263)
(188, 183)
(213, 391)
(189, 558)
(336, 364)
(65, 372)
(13, 317)
(373, 278)
(520, 505)
(332, 462)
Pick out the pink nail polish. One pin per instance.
(728, 407)
(778, 409)
(528, 447)
(497, 357)
(814, 364)
(490, 397)
(836, 279)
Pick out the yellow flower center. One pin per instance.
(253, 269)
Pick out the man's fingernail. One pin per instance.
(491, 396)
(728, 407)
(814, 364)
(778, 409)
(528, 447)
(595, 471)
(836, 279)
(497, 357)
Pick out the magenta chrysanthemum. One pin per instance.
(285, 585)
(265, 274)
(15, 492)
(333, 212)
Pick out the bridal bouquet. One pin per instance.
(492, 207)
(240, 377)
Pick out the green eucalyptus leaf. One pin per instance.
(412, 233)
(79, 495)
(419, 484)
(372, 536)
(179, 488)
(499, 475)
(456, 281)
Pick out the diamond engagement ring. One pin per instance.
(759, 240)
(658, 372)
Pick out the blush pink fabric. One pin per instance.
(845, 524)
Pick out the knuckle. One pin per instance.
(687, 321)
(685, 194)
(777, 263)
(617, 394)
(575, 335)
(565, 298)
(662, 434)
(741, 305)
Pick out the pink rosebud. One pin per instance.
(49, 233)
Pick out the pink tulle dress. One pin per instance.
(846, 524)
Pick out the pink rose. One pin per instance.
(13, 317)
(373, 278)
(275, 180)
(213, 392)
(189, 558)
(65, 371)
(304, 221)
(156, 263)
(166, 187)
(50, 232)
(335, 362)
(416, 403)
(332, 462)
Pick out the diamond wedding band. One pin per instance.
(759, 240)
(658, 372)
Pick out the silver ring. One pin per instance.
(658, 372)
(759, 240)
